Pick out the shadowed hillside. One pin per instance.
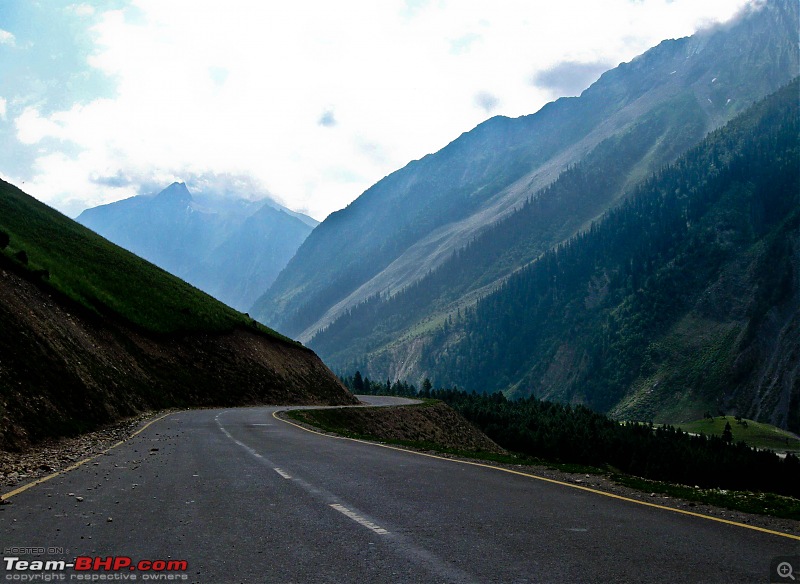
(683, 300)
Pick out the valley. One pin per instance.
(565, 346)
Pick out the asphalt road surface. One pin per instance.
(241, 496)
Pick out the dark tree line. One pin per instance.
(364, 386)
(576, 434)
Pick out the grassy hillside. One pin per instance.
(104, 277)
(752, 433)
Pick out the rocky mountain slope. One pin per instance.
(413, 221)
(683, 300)
(231, 248)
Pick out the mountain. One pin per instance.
(89, 332)
(650, 111)
(682, 300)
(231, 248)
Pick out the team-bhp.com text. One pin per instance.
(94, 569)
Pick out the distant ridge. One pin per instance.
(231, 248)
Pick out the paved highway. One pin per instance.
(244, 497)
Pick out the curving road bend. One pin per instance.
(244, 497)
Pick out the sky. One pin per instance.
(309, 102)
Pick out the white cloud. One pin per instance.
(246, 88)
(33, 128)
(6, 38)
(3, 108)
(82, 9)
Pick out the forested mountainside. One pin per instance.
(684, 299)
(231, 248)
(648, 111)
(90, 332)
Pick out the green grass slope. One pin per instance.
(752, 433)
(104, 277)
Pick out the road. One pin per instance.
(244, 497)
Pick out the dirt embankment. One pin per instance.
(436, 424)
(65, 370)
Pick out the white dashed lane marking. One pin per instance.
(283, 473)
(359, 519)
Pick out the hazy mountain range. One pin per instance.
(659, 105)
(231, 248)
(683, 300)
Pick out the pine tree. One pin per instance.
(727, 433)
(426, 387)
(358, 383)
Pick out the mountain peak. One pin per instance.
(230, 247)
(176, 192)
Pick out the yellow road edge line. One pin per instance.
(41, 480)
(545, 479)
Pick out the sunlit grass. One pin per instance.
(755, 434)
